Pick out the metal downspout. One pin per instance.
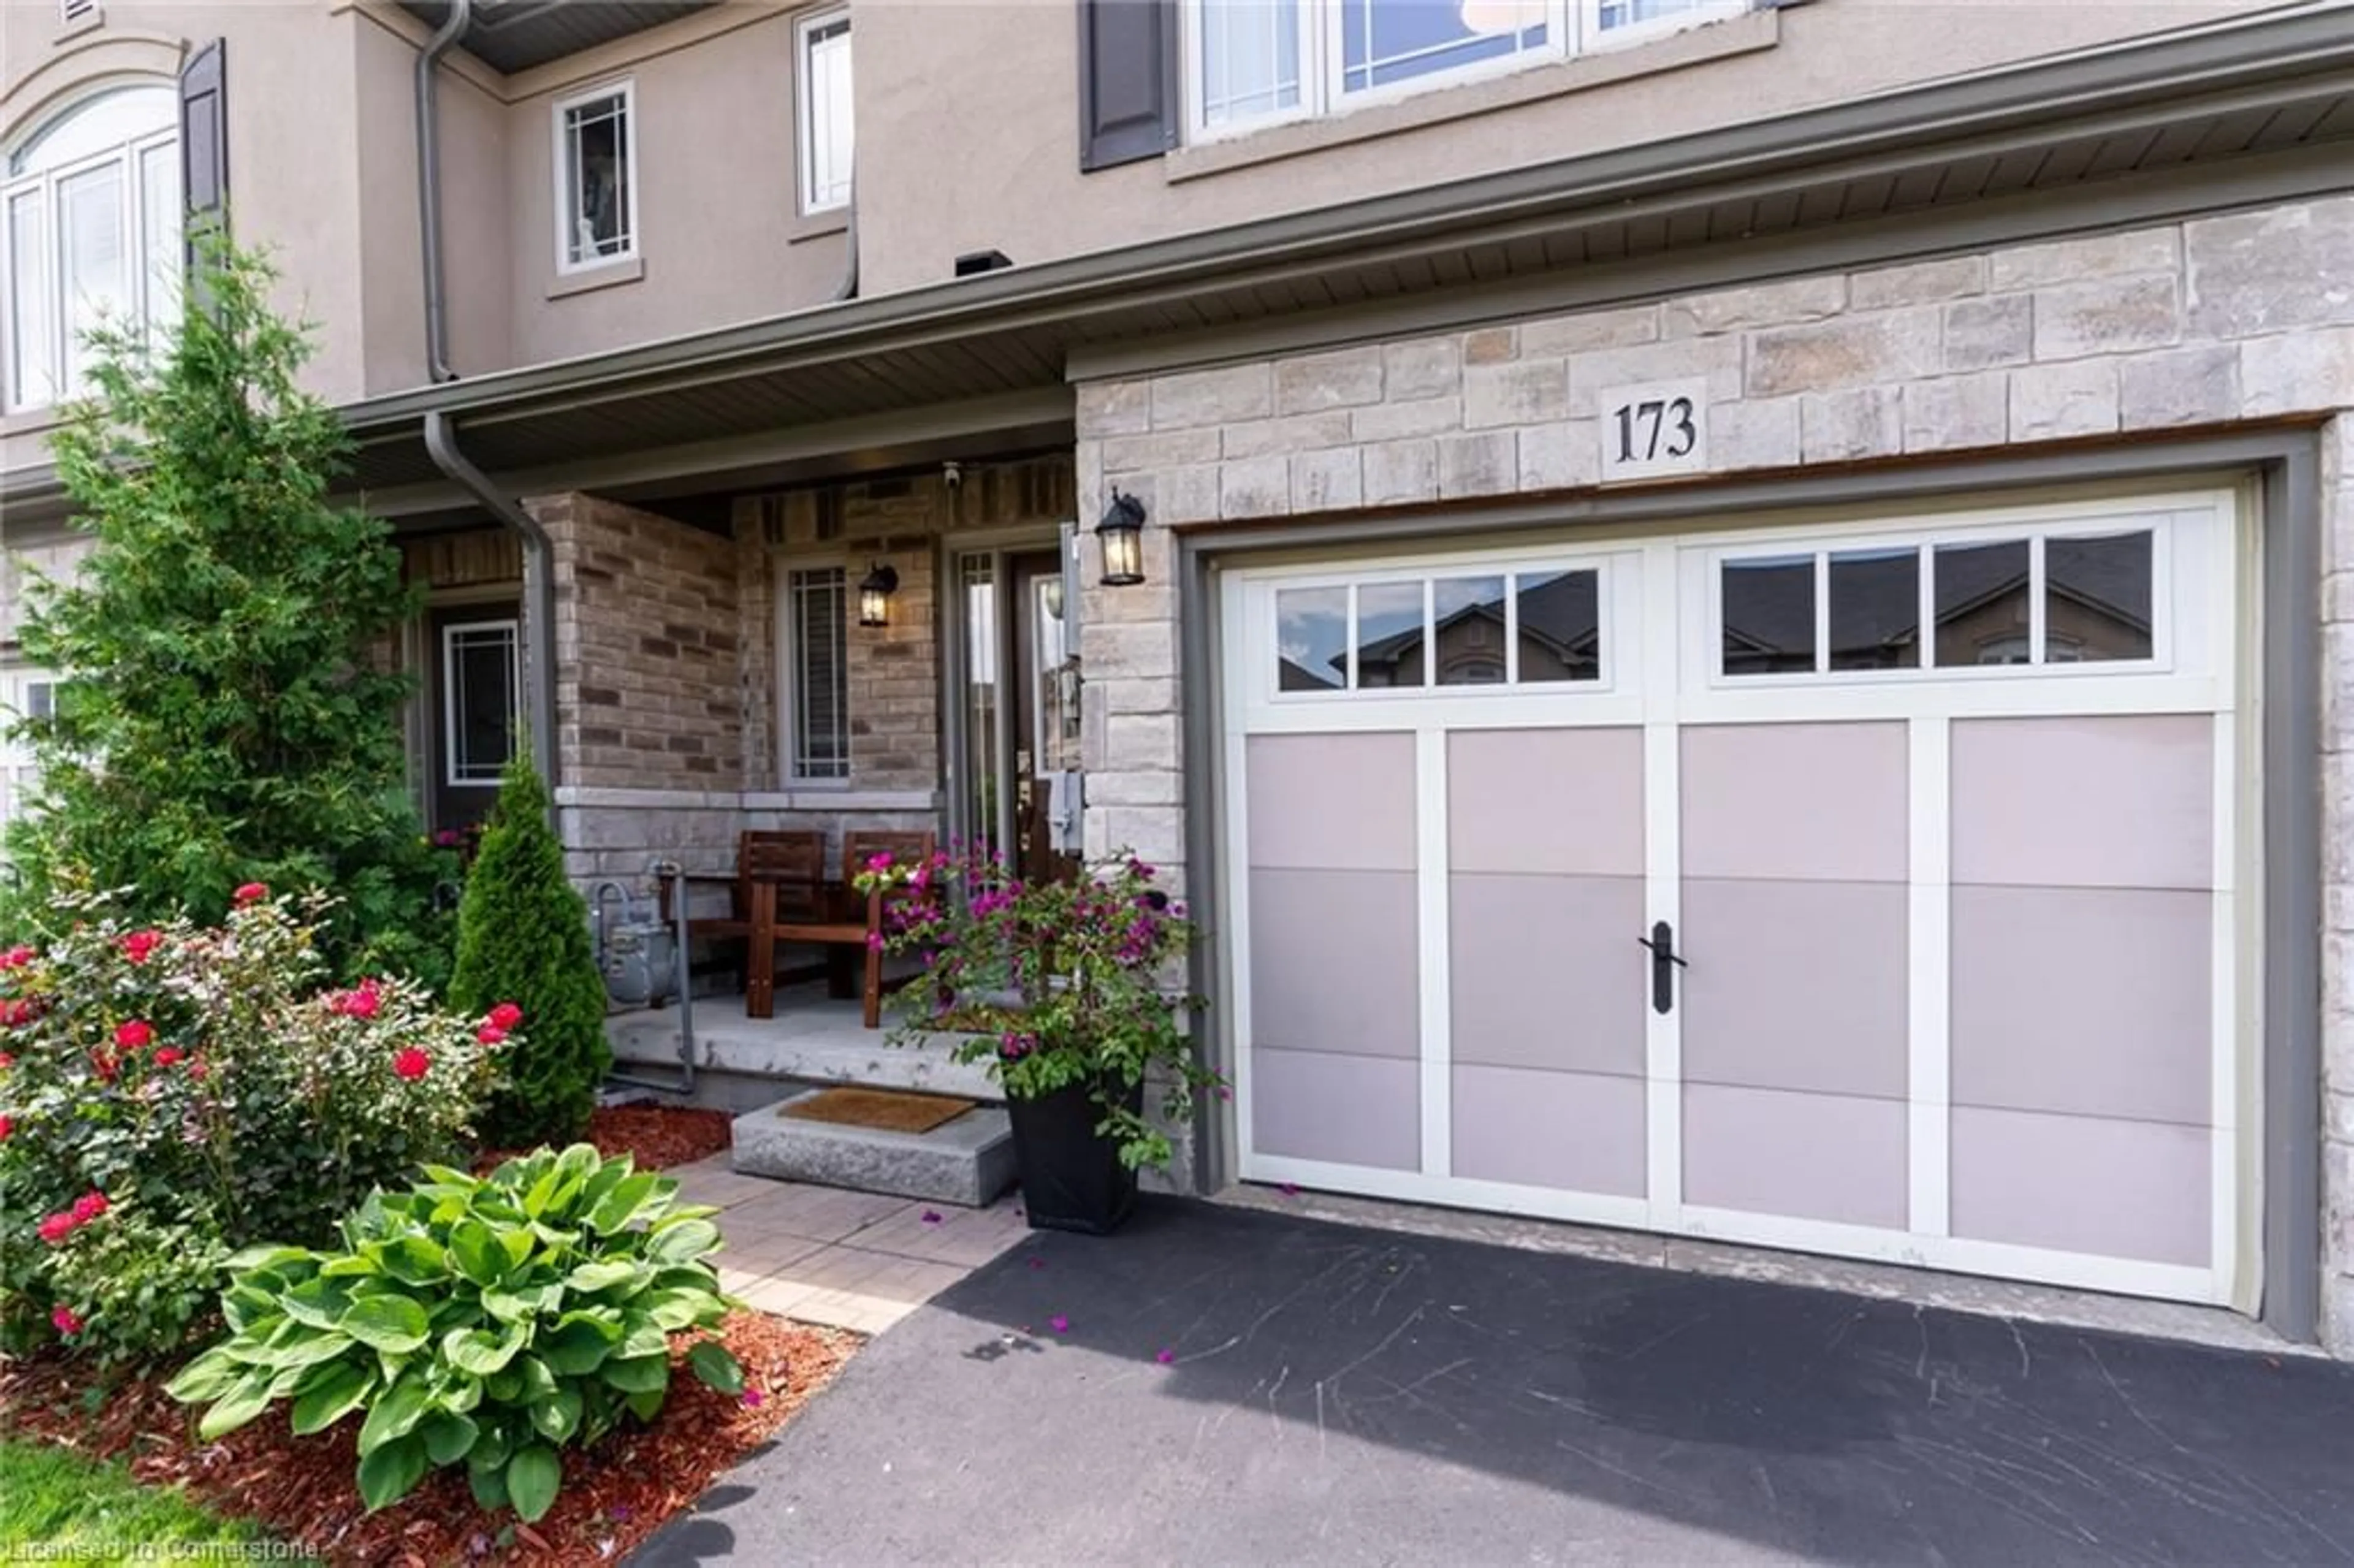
(539, 672)
(428, 185)
(538, 585)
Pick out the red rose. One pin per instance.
(57, 1227)
(491, 1035)
(361, 1003)
(63, 1320)
(505, 1015)
(17, 957)
(6, 1061)
(169, 1056)
(105, 1064)
(251, 893)
(138, 945)
(136, 1034)
(89, 1206)
(16, 1015)
(410, 1063)
(6, 1126)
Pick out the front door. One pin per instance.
(475, 687)
(1017, 789)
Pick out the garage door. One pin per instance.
(1869, 889)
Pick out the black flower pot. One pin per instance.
(1072, 1179)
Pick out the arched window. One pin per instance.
(90, 212)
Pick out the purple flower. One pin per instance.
(1059, 1323)
(1166, 1358)
(752, 1398)
(931, 1216)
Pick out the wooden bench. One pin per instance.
(792, 858)
(797, 906)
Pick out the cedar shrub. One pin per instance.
(229, 710)
(523, 937)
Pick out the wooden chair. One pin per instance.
(837, 921)
(790, 866)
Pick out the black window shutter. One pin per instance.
(203, 140)
(1128, 81)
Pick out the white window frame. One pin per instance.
(18, 768)
(2159, 524)
(789, 651)
(1572, 28)
(150, 305)
(560, 164)
(450, 633)
(805, 103)
(1512, 569)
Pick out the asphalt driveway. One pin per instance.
(1213, 1386)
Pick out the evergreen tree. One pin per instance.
(523, 937)
(228, 710)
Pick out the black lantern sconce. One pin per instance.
(1121, 533)
(874, 591)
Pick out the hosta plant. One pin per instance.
(488, 1322)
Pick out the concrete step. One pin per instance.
(968, 1161)
(821, 1043)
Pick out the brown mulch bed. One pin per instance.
(302, 1490)
(659, 1136)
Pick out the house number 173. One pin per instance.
(1654, 429)
(1642, 425)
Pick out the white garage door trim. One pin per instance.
(1664, 677)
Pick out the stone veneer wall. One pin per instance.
(479, 558)
(2238, 317)
(2337, 592)
(616, 822)
(60, 558)
(646, 648)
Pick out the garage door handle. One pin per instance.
(1664, 965)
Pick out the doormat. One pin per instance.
(888, 1110)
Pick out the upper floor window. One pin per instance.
(596, 178)
(826, 127)
(1252, 61)
(90, 235)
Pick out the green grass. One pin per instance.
(79, 1511)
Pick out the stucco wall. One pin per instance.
(2222, 320)
(292, 139)
(477, 217)
(930, 189)
(718, 231)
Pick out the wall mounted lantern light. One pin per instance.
(1121, 533)
(874, 591)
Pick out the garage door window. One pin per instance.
(2056, 598)
(1535, 627)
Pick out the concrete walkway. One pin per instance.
(1223, 1387)
(849, 1260)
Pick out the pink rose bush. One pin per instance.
(171, 1093)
